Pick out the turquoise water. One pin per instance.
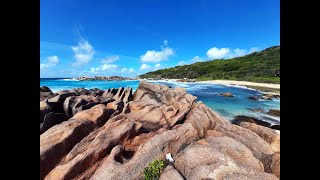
(207, 93)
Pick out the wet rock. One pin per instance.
(275, 126)
(274, 112)
(45, 89)
(238, 119)
(227, 94)
(253, 98)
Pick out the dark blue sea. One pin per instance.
(207, 93)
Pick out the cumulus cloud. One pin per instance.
(110, 59)
(83, 52)
(196, 59)
(165, 42)
(49, 62)
(193, 60)
(216, 53)
(145, 67)
(154, 56)
(124, 70)
(108, 66)
(181, 63)
(103, 67)
(130, 70)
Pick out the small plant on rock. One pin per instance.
(152, 172)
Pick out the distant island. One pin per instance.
(262, 66)
(106, 78)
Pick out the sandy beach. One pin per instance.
(242, 83)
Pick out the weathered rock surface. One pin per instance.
(274, 112)
(227, 94)
(52, 119)
(238, 119)
(73, 101)
(170, 173)
(269, 135)
(253, 98)
(219, 158)
(117, 138)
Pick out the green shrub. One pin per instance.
(152, 172)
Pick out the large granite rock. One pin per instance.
(219, 158)
(117, 139)
(170, 173)
(271, 136)
(57, 141)
(52, 119)
(274, 112)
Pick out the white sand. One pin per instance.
(242, 83)
(231, 82)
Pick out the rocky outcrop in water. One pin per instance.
(104, 78)
(122, 133)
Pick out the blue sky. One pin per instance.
(128, 38)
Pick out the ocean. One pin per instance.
(228, 107)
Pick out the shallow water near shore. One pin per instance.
(228, 107)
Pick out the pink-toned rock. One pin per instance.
(169, 141)
(255, 143)
(57, 141)
(93, 148)
(275, 164)
(170, 173)
(44, 109)
(271, 136)
(98, 114)
(157, 106)
(117, 139)
(219, 158)
(203, 119)
(272, 163)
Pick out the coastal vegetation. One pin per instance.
(262, 66)
(152, 172)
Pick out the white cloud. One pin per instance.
(193, 60)
(216, 53)
(83, 52)
(165, 42)
(103, 67)
(110, 59)
(157, 65)
(196, 59)
(145, 67)
(108, 66)
(254, 49)
(131, 70)
(180, 63)
(154, 56)
(50, 62)
(125, 70)
(95, 70)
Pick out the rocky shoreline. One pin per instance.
(115, 134)
(105, 78)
